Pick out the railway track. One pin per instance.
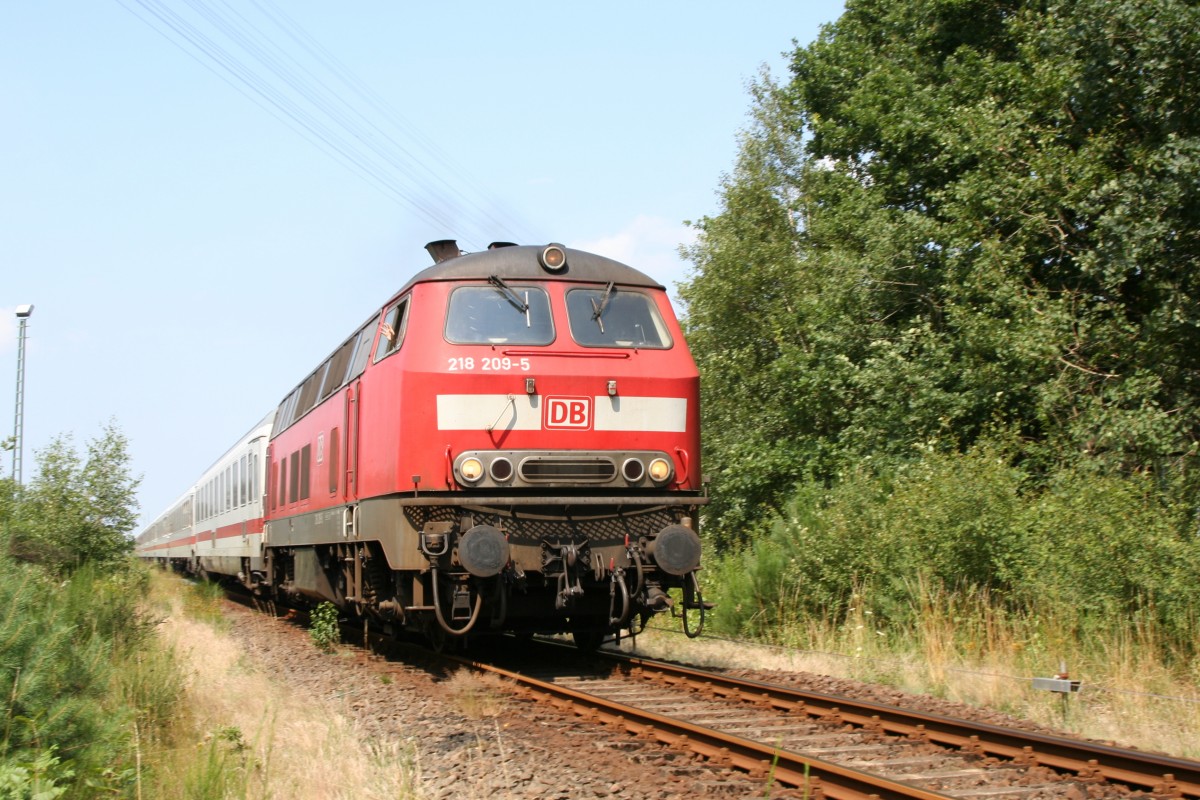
(820, 745)
(840, 748)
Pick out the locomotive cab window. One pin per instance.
(392, 334)
(499, 314)
(611, 317)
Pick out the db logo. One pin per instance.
(568, 412)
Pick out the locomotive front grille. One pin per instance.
(580, 470)
(550, 523)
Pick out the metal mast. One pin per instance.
(23, 313)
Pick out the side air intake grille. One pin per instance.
(545, 469)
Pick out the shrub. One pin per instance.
(324, 630)
(1093, 550)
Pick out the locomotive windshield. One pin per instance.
(610, 317)
(499, 314)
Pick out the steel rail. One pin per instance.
(815, 776)
(1159, 774)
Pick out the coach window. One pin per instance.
(237, 484)
(392, 334)
(254, 477)
(501, 313)
(245, 481)
(610, 317)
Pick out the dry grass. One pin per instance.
(256, 738)
(477, 695)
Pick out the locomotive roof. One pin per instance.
(519, 262)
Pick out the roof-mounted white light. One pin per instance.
(553, 258)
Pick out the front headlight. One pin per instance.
(470, 469)
(660, 470)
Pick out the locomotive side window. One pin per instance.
(499, 314)
(335, 376)
(393, 330)
(610, 317)
(308, 392)
(305, 470)
(294, 486)
(363, 349)
(335, 453)
(283, 482)
(284, 416)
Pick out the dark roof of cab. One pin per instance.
(521, 263)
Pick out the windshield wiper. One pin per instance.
(508, 294)
(598, 310)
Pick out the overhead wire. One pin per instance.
(294, 94)
(390, 114)
(278, 105)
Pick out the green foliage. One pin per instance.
(1094, 552)
(950, 519)
(1118, 550)
(324, 630)
(959, 220)
(35, 780)
(75, 511)
(69, 672)
(85, 682)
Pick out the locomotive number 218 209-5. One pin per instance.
(488, 364)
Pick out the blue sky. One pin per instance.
(192, 250)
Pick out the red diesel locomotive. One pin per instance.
(510, 444)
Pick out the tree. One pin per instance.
(959, 219)
(77, 511)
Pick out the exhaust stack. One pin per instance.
(443, 250)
